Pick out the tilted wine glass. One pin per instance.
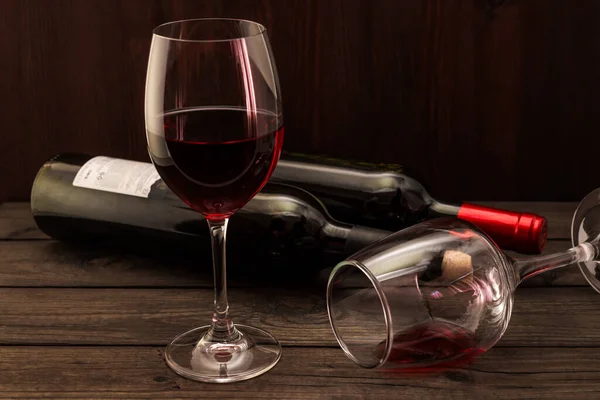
(214, 129)
(438, 293)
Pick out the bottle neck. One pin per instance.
(438, 209)
(334, 237)
(348, 239)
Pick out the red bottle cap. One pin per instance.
(521, 232)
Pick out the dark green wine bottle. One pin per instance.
(105, 200)
(382, 196)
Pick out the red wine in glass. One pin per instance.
(421, 348)
(218, 158)
(430, 347)
(214, 129)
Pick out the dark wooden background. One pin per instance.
(483, 99)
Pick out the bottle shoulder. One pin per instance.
(312, 175)
(277, 199)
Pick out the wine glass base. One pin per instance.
(252, 354)
(585, 226)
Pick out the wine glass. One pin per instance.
(214, 129)
(441, 292)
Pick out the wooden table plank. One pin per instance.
(92, 320)
(31, 263)
(140, 372)
(565, 316)
(16, 222)
(48, 263)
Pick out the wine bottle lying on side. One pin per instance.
(78, 197)
(114, 201)
(382, 196)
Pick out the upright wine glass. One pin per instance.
(439, 293)
(214, 129)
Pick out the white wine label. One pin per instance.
(118, 176)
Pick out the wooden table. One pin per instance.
(86, 324)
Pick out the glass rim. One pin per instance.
(261, 30)
(387, 313)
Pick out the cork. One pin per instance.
(456, 265)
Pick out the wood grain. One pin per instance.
(90, 323)
(29, 259)
(479, 103)
(16, 221)
(124, 372)
(561, 317)
(48, 263)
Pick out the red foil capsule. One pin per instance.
(521, 232)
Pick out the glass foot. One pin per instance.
(193, 356)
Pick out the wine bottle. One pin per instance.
(101, 199)
(382, 196)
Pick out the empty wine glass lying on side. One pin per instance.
(438, 293)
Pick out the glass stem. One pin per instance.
(222, 326)
(528, 267)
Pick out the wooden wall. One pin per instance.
(482, 99)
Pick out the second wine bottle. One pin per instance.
(382, 196)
